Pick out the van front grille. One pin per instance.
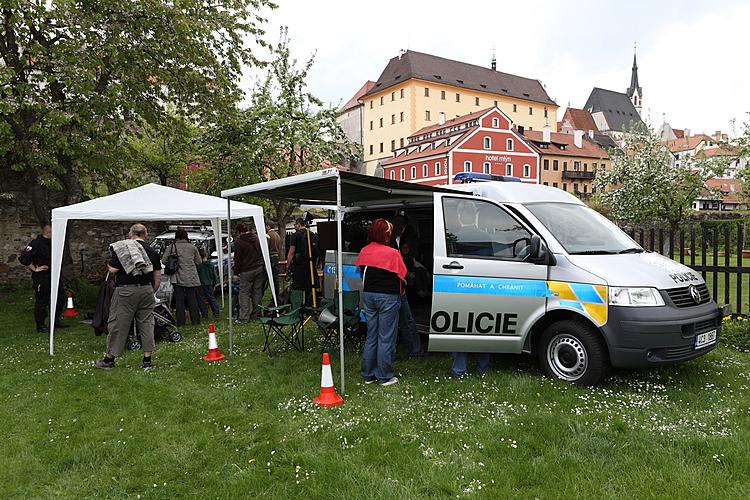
(681, 297)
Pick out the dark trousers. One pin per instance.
(42, 286)
(182, 293)
(275, 273)
(407, 328)
(206, 294)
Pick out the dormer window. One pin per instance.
(496, 123)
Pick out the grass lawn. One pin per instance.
(245, 427)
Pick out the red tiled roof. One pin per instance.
(719, 151)
(687, 143)
(452, 122)
(588, 148)
(679, 133)
(725, 186)
(580, 119)
(416, 154)
(354, 101)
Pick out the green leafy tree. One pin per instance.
(285, 131)
(645, 185)
(76, 78)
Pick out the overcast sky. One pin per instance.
(693, 57)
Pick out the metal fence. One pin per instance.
(714, 249)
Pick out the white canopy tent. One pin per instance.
(152, 202)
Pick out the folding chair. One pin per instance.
(328, 320)
(286, 322)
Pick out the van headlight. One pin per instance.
(634, 297)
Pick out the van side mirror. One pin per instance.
(534, 247)
(538, 251)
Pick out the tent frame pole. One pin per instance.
(229, 269)
(339, 278)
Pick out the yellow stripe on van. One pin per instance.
(602, 291)
(598, 312)
(561, 290)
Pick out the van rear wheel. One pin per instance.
(572, 351)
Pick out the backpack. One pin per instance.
(172, 264)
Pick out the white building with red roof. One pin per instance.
(484, 141)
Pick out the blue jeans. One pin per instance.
(482, 360)
(407, 328)
(206, 293)
(381, 313)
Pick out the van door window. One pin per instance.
(479, 229)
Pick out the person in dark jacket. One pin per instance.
(207, 275)
(186, 281)
(249, 269)
(302, 258)
(407, 327)
(37, 257)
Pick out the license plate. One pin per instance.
(704, 339)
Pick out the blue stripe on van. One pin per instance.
(586, 293)
(573, 304)
(490, 286)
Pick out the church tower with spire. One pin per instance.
(635, 92)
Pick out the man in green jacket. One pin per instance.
(207, 275)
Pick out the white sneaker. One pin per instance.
(370, 381)
(391, 381)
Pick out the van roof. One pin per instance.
(516, 192)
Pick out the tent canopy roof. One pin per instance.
(319, 188)
(155, 202)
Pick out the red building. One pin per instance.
(484, 141)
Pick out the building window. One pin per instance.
(401, 116)
(427, 115)
(393, 119)
(487, 143)
(413, 172)
(546, 164)
(554, 184)
(546, 183)
(393, 175)
(509, 145)
(467, 166)
(370, 104)
(585, 167)
(527, 171)
(508, 169)
(402, 93)
(515, 108)
(401, 141)
(381, 123)
(565, 186)
(555, 165)
(425, 170)
(565, 166)
(426, 92)
(576, 166)
(476, 101)
(381, 147)
(393, 144)
(531, 110)
(381, 100)
(575, 187)
(486, 167)
(393, 96)
(593, 167)
(496, 123)
(545, 112)
(458, 97)
(604, 168)
(402, 174)
(585, 188)
(370, 124)
(437, 168)
(442, 94)
(371, 152)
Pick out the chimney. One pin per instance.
(578, 138)
(546, 135)
(520, 129)
(717, 135)
(591, 135)
(441, 118)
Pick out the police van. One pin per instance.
(521, 268)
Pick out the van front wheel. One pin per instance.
(571, 351)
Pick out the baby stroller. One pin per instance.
(164, 326)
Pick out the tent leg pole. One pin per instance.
(339, 279)
(229, 269)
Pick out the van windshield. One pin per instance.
(581, 230)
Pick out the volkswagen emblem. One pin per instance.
(695, 294)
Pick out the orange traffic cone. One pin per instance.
(214, 354)
(70, 311)
(328, 396)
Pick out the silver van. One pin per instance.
(512, 267)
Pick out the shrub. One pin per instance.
(735, 332)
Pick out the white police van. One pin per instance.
(528, 268)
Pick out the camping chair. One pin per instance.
(328, 320)
(286, 322)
